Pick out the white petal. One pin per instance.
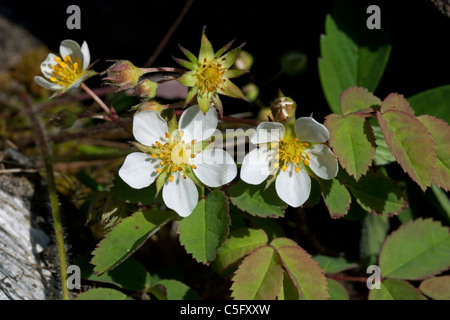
(78, 82)
(268, 132)
(86, 55)
(149, 127)
(139, 170)
(214, 167)
(180, 195)
(308, 129)
(47, 84)
(292, 187)
(70, 48)
(256, 166)
(197, 125)
(322, 162)
(47, 71)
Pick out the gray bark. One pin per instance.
(22, 273)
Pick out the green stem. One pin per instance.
(45, 152)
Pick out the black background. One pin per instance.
(132, 30)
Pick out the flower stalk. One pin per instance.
(56, 213)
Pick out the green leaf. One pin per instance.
(353, 142)
(440, 131)
(206, 229)
(169, 289)
(358, 99)
(418, 249)
(443, 201)
(239, 244)
(382, 153)
(124, 192)
(336, 196)
(257, 201)
(373, 233)
(378, 194)
(395, 290)
(270, 226)
(289, 290)
(435, 102)
(126, 237)
(129, 275)
(337, 291)
(334, 265)
(102, 294)
(259, 276)
(351, 55)
(437, 288)
(411, 144)
(304, 271)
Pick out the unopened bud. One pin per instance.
(151, 105)
(145, 89)
(283, 109)
(123, 74)
(244, 61)
(251, 91)
(293, 63)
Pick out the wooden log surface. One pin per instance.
(23, 275)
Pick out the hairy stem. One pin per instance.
(111, 116)
(56, 214)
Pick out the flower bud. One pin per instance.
(293, 63)
(151, 105)
(283, 109)
(251, 91)
(145, 89)
(123, 74)
(244, 61)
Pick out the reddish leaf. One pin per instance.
(259, 277)
(357, 99)
(303, 270)
(411, 144)
(440, 131)
(396, 102)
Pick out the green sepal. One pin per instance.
(144, 148)
(191, 95)
(184, 63)
(161, 180)
(223, 49)
(188, 79)
(172, 125)
(206, 49)
(188, 54)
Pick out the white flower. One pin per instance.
(289, 152)
(178, 157)
(67, 71)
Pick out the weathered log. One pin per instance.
(23, 275)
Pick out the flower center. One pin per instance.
(291, 151)
(174, 155)
(66, 71)
(209, 76)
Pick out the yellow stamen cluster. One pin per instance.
(66, 71)
(210, 75)
(291, 150)
(174, 155)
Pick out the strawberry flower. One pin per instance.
(66, 71)
(289, 154)
(210, 74)
(174, 155)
